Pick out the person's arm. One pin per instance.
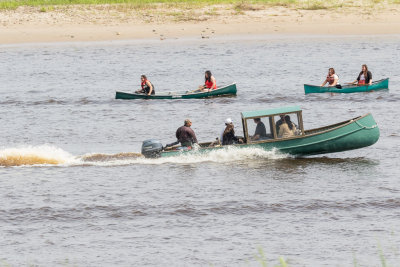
(193, 135)
(214, 85)
(194, 138)
(151, 87)
(236, 139)
(356, 81)
(139, 91)
(256, 135)
(326, 80)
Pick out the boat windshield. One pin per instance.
(274, 126)
(291, 128)
(259, 129)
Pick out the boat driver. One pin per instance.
(186, 135)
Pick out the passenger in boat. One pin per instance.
(209, 83)
(186, 135)
(279, 122)
(147, 86)
(332, 79)
(228, 135)
(365, 76)
(287, 128)
(260, 132)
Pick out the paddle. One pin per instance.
(194, 91)
(190, 92)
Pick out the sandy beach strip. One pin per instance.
(112, 22)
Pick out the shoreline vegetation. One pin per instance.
(237, 5)
(99, 20)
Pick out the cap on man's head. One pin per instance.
(228, 121)
(187, 121)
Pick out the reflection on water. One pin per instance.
(326, 160)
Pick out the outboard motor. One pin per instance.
(151, 148)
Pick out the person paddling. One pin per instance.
(332, 79)
(147, 86)
(209, 83)
(365, 76)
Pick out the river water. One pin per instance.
(74, 192)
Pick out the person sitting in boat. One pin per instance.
(279, 122)
(209, 84)
(331, 79)
(365, 76)
(186, 135)
(228, 135)
(287, 128)
(260, 132)
(147, 86)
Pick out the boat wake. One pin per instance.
(225, 155)
(47, 155)
(34, 155)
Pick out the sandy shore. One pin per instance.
(101, 23)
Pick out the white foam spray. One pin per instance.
(47, 155)
(35, 155)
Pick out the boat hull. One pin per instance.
(223, 91)
(375, 86)
(353, 134)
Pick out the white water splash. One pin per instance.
(225, 155)
(46, 155)
(35, 155)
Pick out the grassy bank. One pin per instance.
(183, 4)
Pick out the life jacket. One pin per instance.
(209, 84)
(146, 88)
(362, 81)
(330, 79)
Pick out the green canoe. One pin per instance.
(375, 86)
(222, 91)
(355, 133)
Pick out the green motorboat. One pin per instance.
(355, 133)
(228, 90)
(375, 86)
